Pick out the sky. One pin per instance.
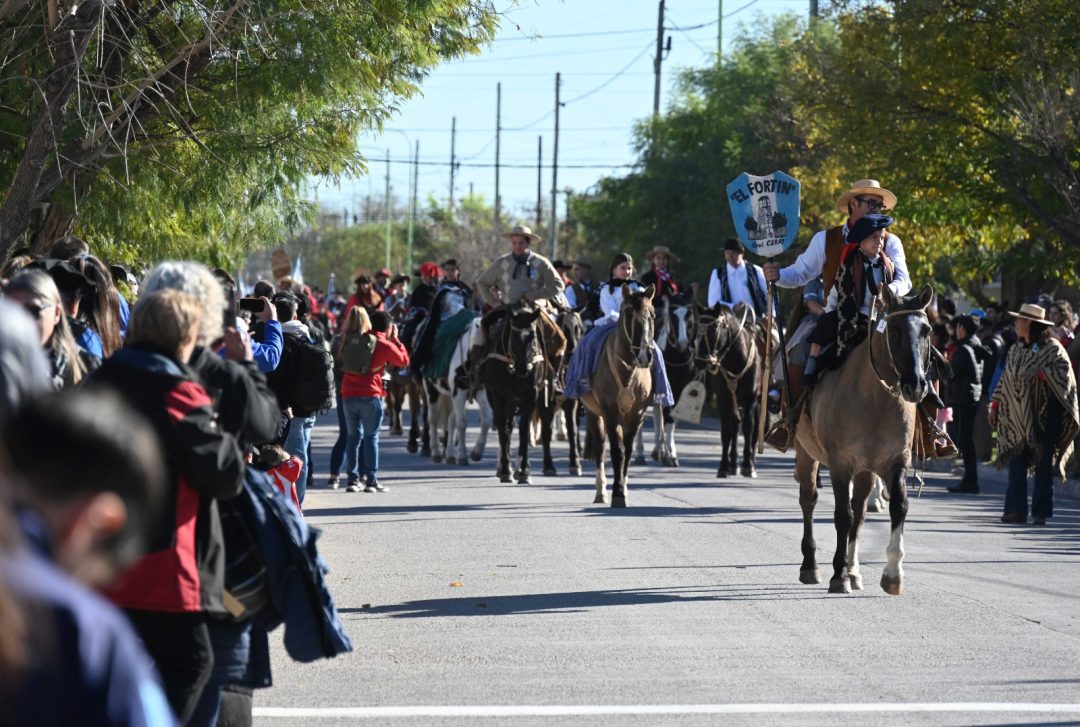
(604, 50)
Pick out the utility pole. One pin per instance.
(389, 221)
(412, 206)
(657, 60)
(453, 161)
(498, 134)
(553, 233)
(539, 180)
(720, 31)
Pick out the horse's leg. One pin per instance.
(841, 479)
(876, 503)
(860, 491)
(639, 449)
(892, 580)
(485, 425)
(461, 410)
(727, 434)
(503, 421)
(569, 410)
(523, 473)
(658, 433)
(438, 420)
(806, 471)
(425, 421)
(750, 428)
(670, 431)
(619, 452)
(413, 445)
(548, 411)
(595, 426)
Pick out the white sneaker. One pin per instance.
(369, 488)
(354, 487)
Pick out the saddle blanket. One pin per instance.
(446, 338)
(586, 359)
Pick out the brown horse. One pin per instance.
(860, 421)
(621, 389)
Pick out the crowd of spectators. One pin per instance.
(155, 449)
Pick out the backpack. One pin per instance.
(312, 386)
(356, 351)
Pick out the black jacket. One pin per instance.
(967, 365)
(246, 407)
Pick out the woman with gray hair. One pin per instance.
(222, 357)
(37, 294)
(22, 362)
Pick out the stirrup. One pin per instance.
(779, 437)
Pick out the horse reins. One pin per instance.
(626, 324)
(713, 362)
(893, 389)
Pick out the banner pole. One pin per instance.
(764, 403)
(783, 346)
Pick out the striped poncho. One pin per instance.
(1021, 396)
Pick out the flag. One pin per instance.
(330, 288)
(298, 271)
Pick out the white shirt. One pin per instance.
(811, 263)
(738, 286)
(611, 301)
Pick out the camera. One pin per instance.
(255, 305)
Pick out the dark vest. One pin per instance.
(753, 283)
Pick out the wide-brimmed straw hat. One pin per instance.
(1032, 312)
(866, 186)
(522, 230)
(661, 250)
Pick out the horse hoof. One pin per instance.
(875, 506)
(674, 461)
(599, 500)
(411, 447)
(550, 472)
(810, 576)
(524, 480)
(839, 585)
(639, 460)
(893, 585)
(748, 472)
(856, 582)
(506, 479)
(618, 501)
(476, 456)
(451, 460)
(561, 437)
(721, 472)
(437, 458)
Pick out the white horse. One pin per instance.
(673, 333)
(450, 413)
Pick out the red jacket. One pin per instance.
(386, 353)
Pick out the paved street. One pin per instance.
(463, 595)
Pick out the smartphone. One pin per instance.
(255, 305)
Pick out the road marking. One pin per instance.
(573, 710)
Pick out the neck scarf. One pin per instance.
(521, 262)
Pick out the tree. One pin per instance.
(161, 125)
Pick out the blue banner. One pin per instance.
(765, 211)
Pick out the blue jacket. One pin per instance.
(294, 572)
(267, 355)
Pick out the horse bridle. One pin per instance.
(713, 362)
(893, 389)
(537, 357)
(626, 327)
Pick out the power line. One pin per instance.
(484, 165)
(617, 74)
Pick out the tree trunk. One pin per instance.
(57, 223)
(69, 43)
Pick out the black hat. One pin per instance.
(866, 226)
(582, 262)
(67, 275)
(361, 279)
(560, 265)
(400, 278)
(450, 261)
(735, 245)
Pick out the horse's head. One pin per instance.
(523, 342)
(683, 316)
(907, 332)
(637, 321)
(719, 329)
(662, 310)
(572, 328)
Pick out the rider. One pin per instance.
(420, 301)
(738, 281)
(823, 257)
(660, 275)
(451, 297)
(586, 354)
(521, 277)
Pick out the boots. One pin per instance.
(935, 443)
(782, 434)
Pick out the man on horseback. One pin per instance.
(582, 288)
(824, 256)
(521, 278)
(738, 281)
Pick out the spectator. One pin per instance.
(223, 358)
(965, 391)
(365, 296)
(67, 247)
(73, 285)
(38, 295)
(303, 384)
(100, 305)
(22, 362)
(1064, 330)
(171, 591)
(1034, 410)
(363, 396)
(357, 321)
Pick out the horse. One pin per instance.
(676, 325)
(859, 422)
(552, 402)
(513, 371)
(450, 410)
(620, 391)
(727, 350)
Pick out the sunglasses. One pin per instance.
(871, 203)
(35, 310)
